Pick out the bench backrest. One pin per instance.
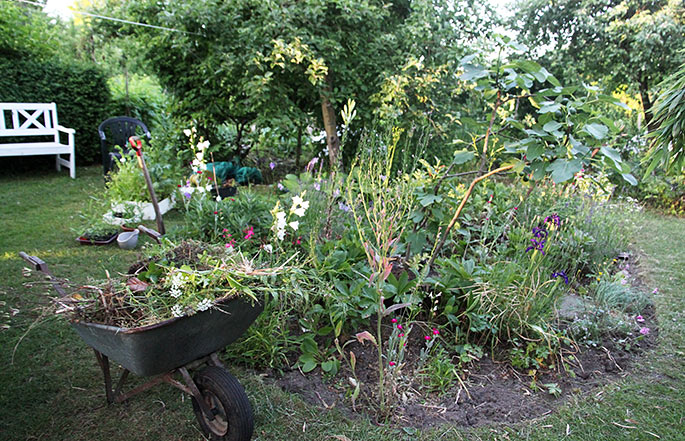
(28, 119)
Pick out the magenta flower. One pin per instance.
(639, 319)
(435, 331)
(249, 233)
(427, 337)
(392, 363)
(399, 326)
(656, 290)
(401, 334)
(644, 331)
(394, 320)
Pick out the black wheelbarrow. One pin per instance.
(173, 347)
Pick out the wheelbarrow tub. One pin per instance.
(162, 347)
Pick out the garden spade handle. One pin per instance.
(137, 145)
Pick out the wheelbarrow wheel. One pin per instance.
(226, 398)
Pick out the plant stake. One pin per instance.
(137, 145)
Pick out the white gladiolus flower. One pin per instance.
(294, 225)
(203, 145)
(297, 201)
(280, 234)
(298, 212)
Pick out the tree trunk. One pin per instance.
(330, 125)
(298, 148)
(646, 103)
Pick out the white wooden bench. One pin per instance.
(25, 120)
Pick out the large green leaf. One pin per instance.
(462, 156)
(563, 169)
(598, 131)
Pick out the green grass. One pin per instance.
(52, 388)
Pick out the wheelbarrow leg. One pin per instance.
(103, 361)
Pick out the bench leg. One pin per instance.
(72, 165)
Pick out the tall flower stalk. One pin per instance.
(380, 205)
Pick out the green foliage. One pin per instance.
(633, 42)
(264, 64)
(668, 145)
(143, 99)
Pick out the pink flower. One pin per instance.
(249, 233)
(639, 319)
(436, 332)
(516, 208)
(225, 230)
(644, 331)
(392, 363)
(399, 326)
(394, 320)
(427, 337)
(656, 290)
(401, 334)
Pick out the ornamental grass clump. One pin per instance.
(190, 278)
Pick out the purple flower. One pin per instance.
(343, 206)
(539, 239)
(280, 186)
(561, 274)
(644, 331)
(639, 319)
(317, 187)
(655, 291)
(187, 195)
(553, 219)
(272, 165)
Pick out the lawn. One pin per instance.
(50, 385)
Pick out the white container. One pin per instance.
(144, 210)
(128, 239)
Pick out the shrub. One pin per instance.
(79, 90)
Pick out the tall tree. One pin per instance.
(623, 42)
(251, 61)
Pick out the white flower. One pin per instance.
(177, 280)
(280, 220)
(268, 248)
(280, 234)
(175, 292)
(200, 156)
(218, 198)
(294, 225)
(187, 132)
(123, 159)
(305, 205)
(208, 187)
(297, 201)
(177, 311)
(204, 305)
(298, 211)
(202, 145)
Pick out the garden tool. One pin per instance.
(137, 145)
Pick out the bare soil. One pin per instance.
(494, 391)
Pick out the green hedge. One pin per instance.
(79, 90)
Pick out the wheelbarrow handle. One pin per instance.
(40, 265)
(150, 232)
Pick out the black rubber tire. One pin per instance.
(234, 420)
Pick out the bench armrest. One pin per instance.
(65, 129)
